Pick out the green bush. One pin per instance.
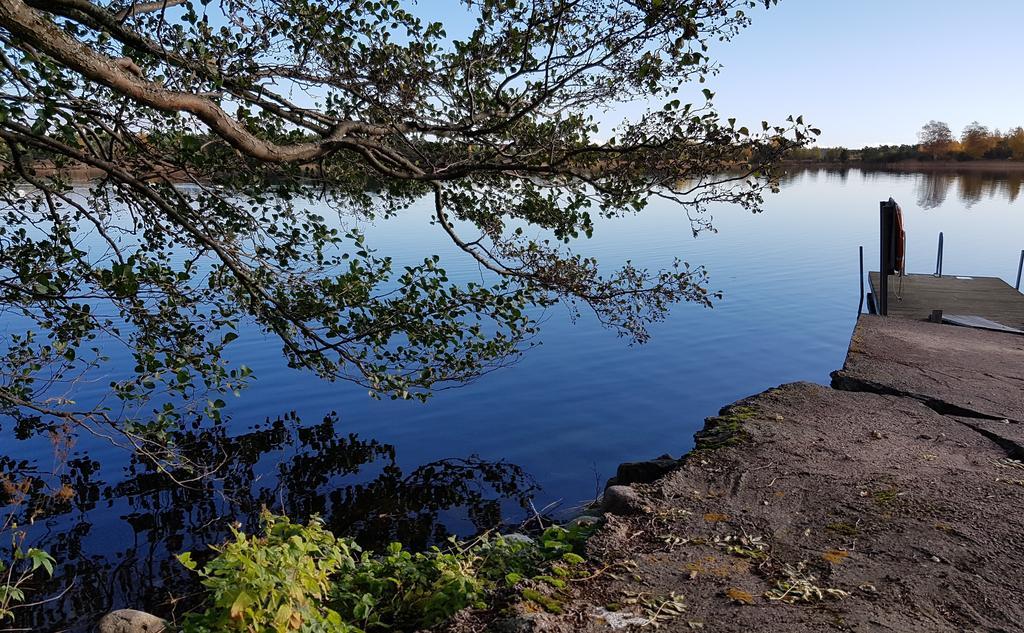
(277, 582)
(303, 578)
(408, 591)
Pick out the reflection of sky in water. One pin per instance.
(584, 400)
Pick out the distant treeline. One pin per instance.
(937, 143)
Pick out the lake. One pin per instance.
(542, 434)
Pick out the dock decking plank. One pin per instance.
(988, 297)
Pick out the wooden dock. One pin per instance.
(987, 297)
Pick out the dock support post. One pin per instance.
(938, 258)
(887, 221)
(1020, 269)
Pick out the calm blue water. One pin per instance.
(585, 400)
(571, 410)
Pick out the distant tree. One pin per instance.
(1015, 142)
(889, 153)
(936, 138)
(999, 147)
(976, 140)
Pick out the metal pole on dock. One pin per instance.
(1020, 269)
(886, 213)
(860, 308)
(938, 258)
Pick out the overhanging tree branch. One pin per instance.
(368, 109)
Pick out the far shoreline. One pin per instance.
(986, 166)
(83, 175)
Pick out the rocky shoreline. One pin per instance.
(888, 502)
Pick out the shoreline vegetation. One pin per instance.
(977, 149)
(81, 175)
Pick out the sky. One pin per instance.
(870, 72)
(866, 72)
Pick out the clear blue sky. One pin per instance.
(869, 72)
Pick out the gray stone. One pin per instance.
(516, 537)
(516, 624)
(584, 520)
(955, 370)
(643, 472)
(130, 621)
(622, 500)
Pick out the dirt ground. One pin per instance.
(890, 503)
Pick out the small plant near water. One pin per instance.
(17, 572)
(18, 564)
(301, 577)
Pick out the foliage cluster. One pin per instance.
(301, 577)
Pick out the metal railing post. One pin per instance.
(938, 258)
(1020, 269)
(860, 308)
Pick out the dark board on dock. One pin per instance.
(916, 296)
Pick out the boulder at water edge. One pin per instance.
(130, 621)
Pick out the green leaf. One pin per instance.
(284, 616)
(39, 559)
(242, 602)
(185, 559)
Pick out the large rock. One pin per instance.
(643, 472)
(955, 370)
(622, 500)
(901, 515)
(131, 621)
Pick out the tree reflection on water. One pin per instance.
(934, 186)
(355, 484)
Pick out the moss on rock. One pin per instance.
(725, 429)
